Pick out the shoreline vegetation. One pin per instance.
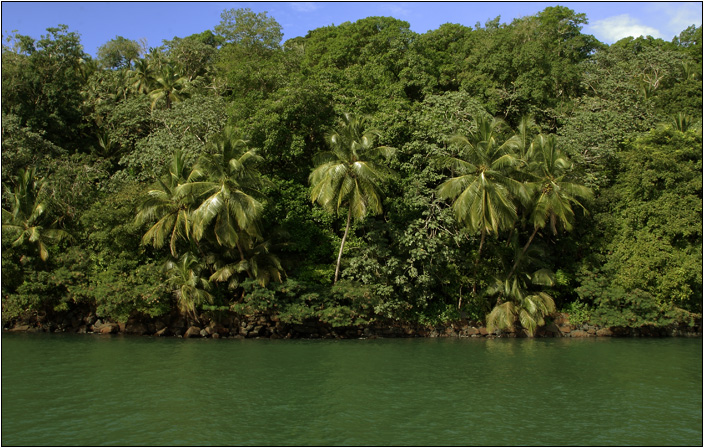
(363, 180)
(263, 326)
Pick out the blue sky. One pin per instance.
(98, 22)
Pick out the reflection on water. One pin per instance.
(115, 390)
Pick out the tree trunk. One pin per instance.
(525, 248)
(476, 262)
(239, 248)
(342, 245)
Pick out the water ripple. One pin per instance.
(94, 390)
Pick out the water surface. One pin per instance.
(117, 390)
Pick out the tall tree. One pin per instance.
(42, 85)
(169, 85)
(351, 174)
(482, 189)
(252, 30)
(171, 208)
(119, 53)
(228, 185)
(142, 76)
(553, 192)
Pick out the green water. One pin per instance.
(114, 390)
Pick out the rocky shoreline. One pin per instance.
(264, 326)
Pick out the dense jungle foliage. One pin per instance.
(363, 172)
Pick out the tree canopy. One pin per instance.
(362, 172)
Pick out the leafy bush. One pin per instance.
(579, 312)
(617, 307)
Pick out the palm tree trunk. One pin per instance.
(239, 248)
(342, 245)
(476, 262)
(523, 252)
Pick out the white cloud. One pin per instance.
(397, 11)
(304, 6)
(679, 16)
(612, 29)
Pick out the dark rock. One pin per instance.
(222, 331)
(108, 328)
(216, 335)
(163, 332)
(20, 328)
(483, 331)
(561, 319)
(134, 327)
(552, 328)
(579, 334)
(175, 321)
(192, 332)
(565, 329)
(82, 329)
(620, 331)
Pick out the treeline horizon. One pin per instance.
(364, 172)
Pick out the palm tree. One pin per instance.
(482, 189)
(227, 184)
(121, 84)
(257, 262)
(522, 136)
(169, 85)
(516, 304)
(681, 122)
(189, 288)
(170, 208)
(156, 57)
(107, 147)
(142, 77)
(26, 219)
(553, 194)
(86, 68)
(516, 298)
(350, 175)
